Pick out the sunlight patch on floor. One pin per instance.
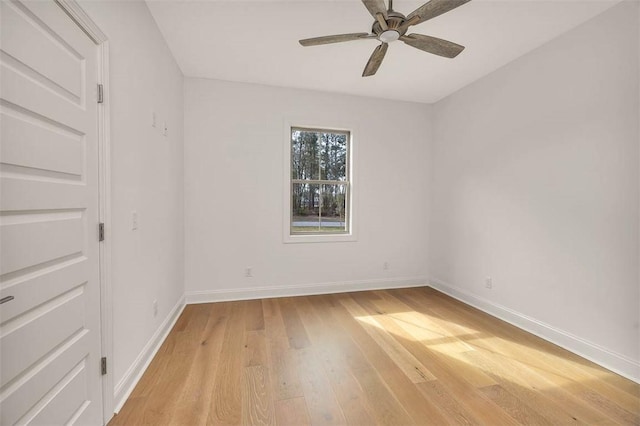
(423, 330)
(544, 366)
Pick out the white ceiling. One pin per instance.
(257, 42)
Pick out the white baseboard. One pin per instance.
(615, 362)
(209, 296)
(125, 386)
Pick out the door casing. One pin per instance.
(84, 21)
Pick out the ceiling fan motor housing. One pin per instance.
(394, 21)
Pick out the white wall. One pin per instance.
(536, 184)
(234, 141)
(147, 176)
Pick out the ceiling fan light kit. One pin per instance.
(390, 26)
(389, 36)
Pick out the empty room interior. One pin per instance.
(320, 212)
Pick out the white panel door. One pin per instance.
(49, 267)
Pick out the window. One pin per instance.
(319, 183)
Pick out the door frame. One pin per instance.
(82, 19)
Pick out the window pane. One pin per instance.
(318, 209)
(333, 156)
(305, 155)
(305, 208)
(333, 209)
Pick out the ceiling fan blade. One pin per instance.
(434, 8)
(375, 6)
(382, 22)
(338, 38)
(375, 60)
(437, 46)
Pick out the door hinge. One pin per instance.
(100, 93)
(103, 365)
(101, 232)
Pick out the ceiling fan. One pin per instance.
(390, 26)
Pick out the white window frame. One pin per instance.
(349, 236)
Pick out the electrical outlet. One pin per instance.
(248, 272)
(385, 265)
(165, 129)
(134, 220)
(155, 308)
(488, 283)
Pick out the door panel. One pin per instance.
(39, 147)
(62, 402)
(40, 331)
(50, 331)
(36, 46)
(20, 193)
(35, 386)
(33, 289)
(35, 97)
(24, 233)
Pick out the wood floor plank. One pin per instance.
(553, 402)
(447, 347)
(329, 346)
(385, 357)
(257, 403)
(374, 404)
(387, 409)
(254, 319)
(449, 336)
(446, 371)
(401, 387)
(414, 369)
(192, 405)
(322, 403)
(255, 349)
(454, 411)
(298, 338)
(611, 409)
(284, 374)
(362, 394)
(349, 393)
(161, 401)
(185, 317)
(226, 404)
(292, 412)
(270, 307)
(513, 406)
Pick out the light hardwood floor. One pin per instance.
(394, 357)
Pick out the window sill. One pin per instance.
(293, 239)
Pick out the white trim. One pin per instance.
(610, 360)
(132, 376)
(84, 21)
(266, 292)
(104, 190)
(73, 9)
(330, 124)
